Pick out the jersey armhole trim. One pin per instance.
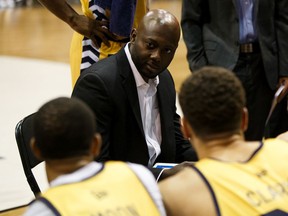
(49, 205)
(218, 213)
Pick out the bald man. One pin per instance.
(133, 96)
(106, 21)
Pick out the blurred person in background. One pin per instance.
(101, 31)
(248, 37)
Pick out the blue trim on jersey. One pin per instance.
(49, 205)
(255, 152)
(240, 162)
(90, 48)
(218, 213)
(91, 3)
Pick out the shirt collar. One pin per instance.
(78, 175)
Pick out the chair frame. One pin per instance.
(23, 134)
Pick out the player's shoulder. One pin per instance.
(283, 136)
(186, 193)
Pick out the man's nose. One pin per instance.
(156, 55)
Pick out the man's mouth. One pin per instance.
(153, 67)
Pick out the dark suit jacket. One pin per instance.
(109, 88)
(211, 33)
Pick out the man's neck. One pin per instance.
(55, 168)
(230, 149)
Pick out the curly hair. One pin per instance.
(212, 100)
(64, 127)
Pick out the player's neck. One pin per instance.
(55, 168)
(231, 149)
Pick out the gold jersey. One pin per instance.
(258, 186)
(115, 190)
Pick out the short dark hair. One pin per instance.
(212, 99)
(64, 127)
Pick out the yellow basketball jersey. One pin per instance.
(115, 190)
(256, 187)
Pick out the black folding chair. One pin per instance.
(23, 134)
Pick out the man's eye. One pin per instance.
(168, 50)
(150, 45)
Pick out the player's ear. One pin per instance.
(185, 128)
(96, 144)
(245, 117)
(133, 35)
(34, 148)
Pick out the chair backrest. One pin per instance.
(23, 134)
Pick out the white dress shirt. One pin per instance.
(149, 110)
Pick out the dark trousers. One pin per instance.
(249, 69)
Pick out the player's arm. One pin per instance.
(186, 194)
(283, 136)
(84, 25)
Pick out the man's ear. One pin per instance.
(245, 118)
(133, 35)
(35, 149)
(96, 145)
(185, 128)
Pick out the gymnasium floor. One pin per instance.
(34, 56)
(21, 97)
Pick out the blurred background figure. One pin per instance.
(102, 30)
(249, 38)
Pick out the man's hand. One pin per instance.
(283, 136)
(96, 30)
(169, 172)
(283, 81)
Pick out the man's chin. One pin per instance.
(151, 76)
(151, 73)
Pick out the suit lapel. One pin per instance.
(129, 85)
(164, 103)
(162, 96)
